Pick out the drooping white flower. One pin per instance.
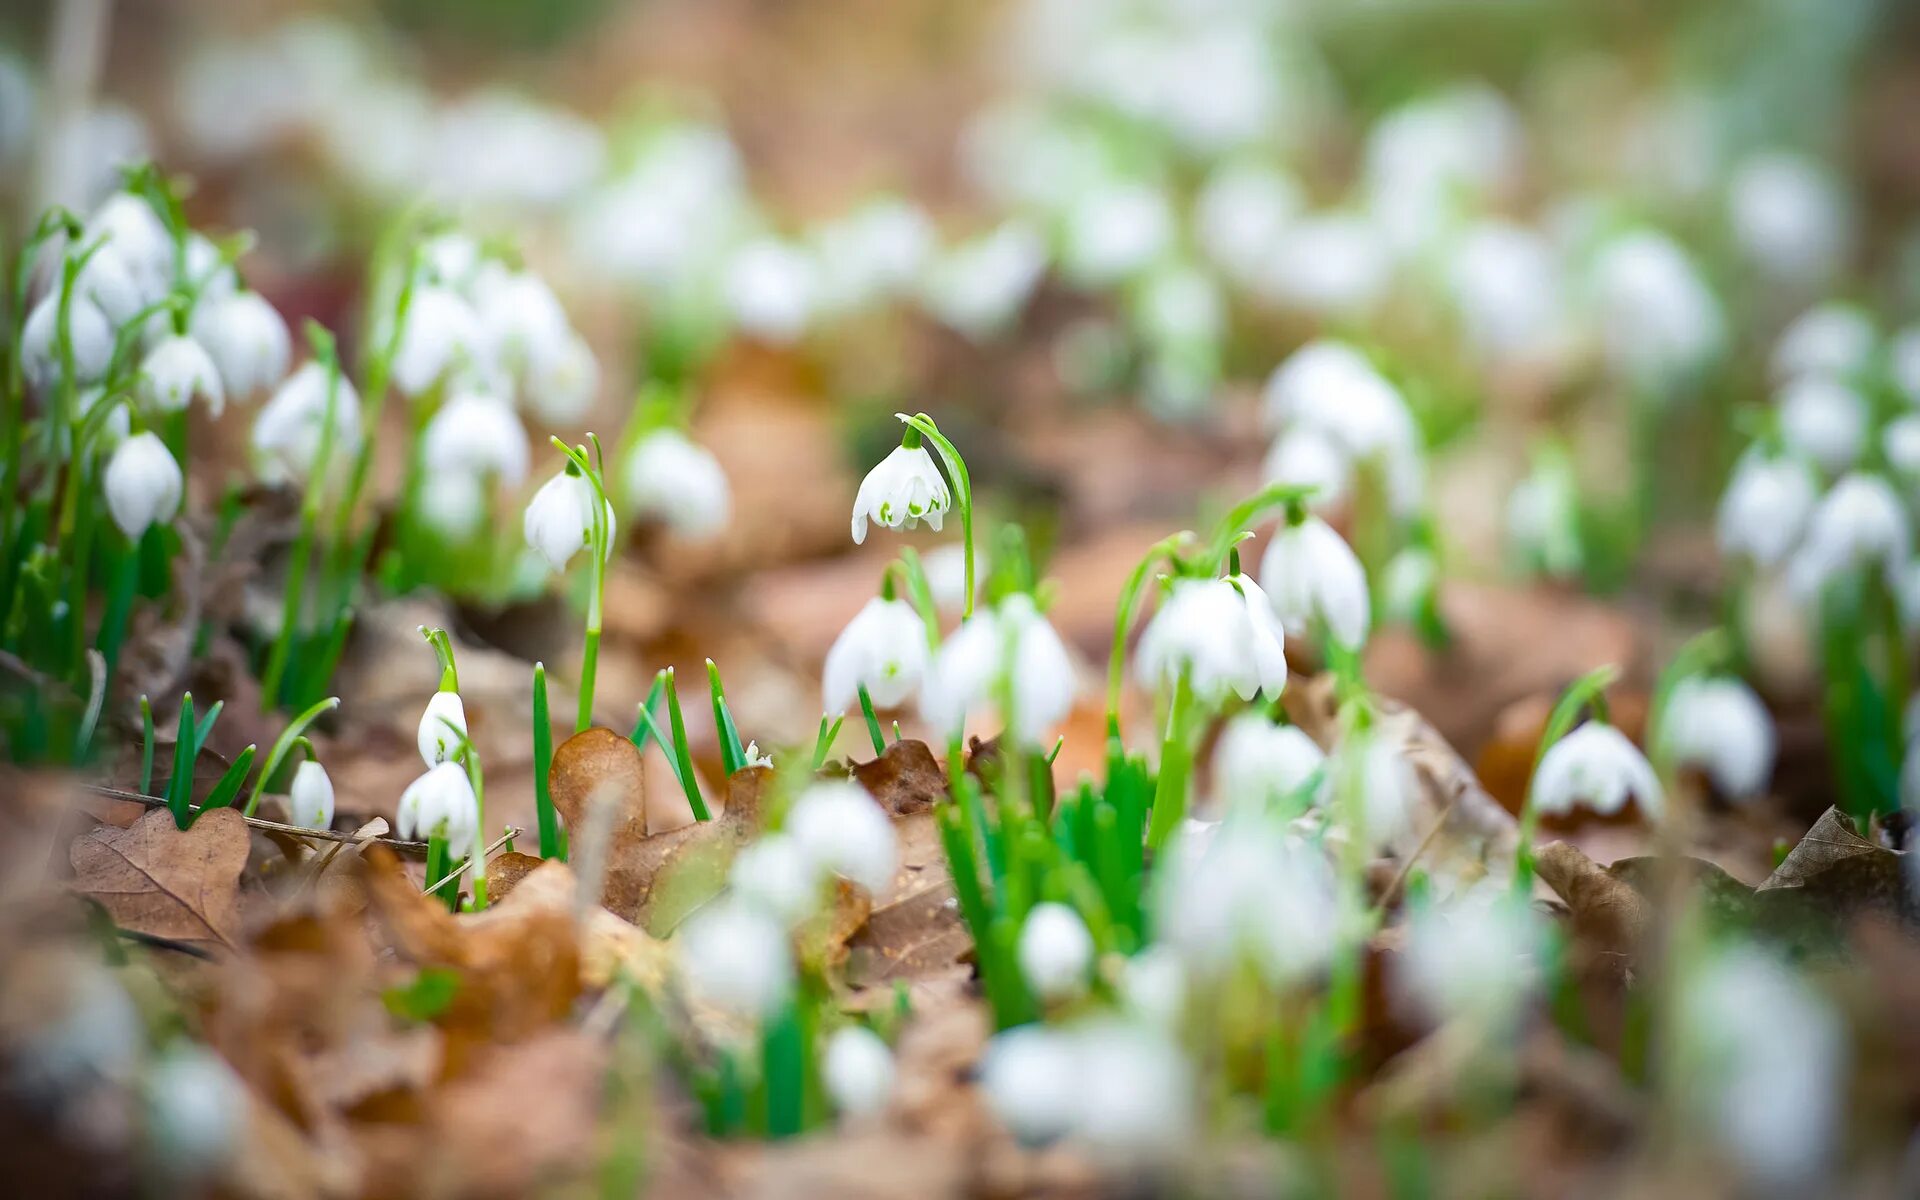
(1765, 508)
(1114, 232)
(442, 333)
(310, 796)
(1373, 769)
(1833, 341)
(1660, 322)
(441, 804)
(776, 874)
(1475, 958)
(1012, 643)
(88, 331)
(857, 1070)
(1595, 767)
(1248, 892)
(884, 649)
(904, 489)
(1315, 580)
(288, 432)
(671, 479)
(195, 1110)
(1721, 727)
(841, 828)
(1153, 986)
(872, 253)
(737, 957)
(1306, 457)
(1221, 634)
(1506, 285)
(520, 317)
(1027, 1074)
(1134, 1091)
(562, 380)
(1859, 523)
(1332, 264)
(772, 288)
(143, 484)
(1900, 445)
(1824, 420)
(476, 434)
(176, 371)
(247, 340)
(1055, 951)
(442, 726)
(1260, 765)
(136, 237)
(1331, 388)
(453, 503)
(978, 286)
(559, 518)
(1790, 217)
(1241, 214)
(106, 280)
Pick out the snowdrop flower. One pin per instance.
(195, 1109)
(1221, 635)
(441, 804)
(857, 1070)
(519, 316)
(1260, 765)
(137, 237)
(1765, 508)
(778, 876)
(310, 796)
(1373, 769)
(442, 726)
(1134, 1090)
(1330, 264)
(671, 479)
(1252, 892)
(1410, 580)
(1475, 959)
(1543, 518)
(771, 290)
(1153, 986)
(1900, 443)
(1306, 457)
(1241, 214)
(1114, 232)
(1833, 340)
(1721, 727)
(442, 332)
(1505, 283)
(1028, 1075)
(1179, 307)
(904, 489)
(1824, 420)
(1595, 766)
(946, 568)
(177, 370)
(978, 286)
(1860, 522)
(736, 957)
(876, 251)
(840, 827)
(884, 649)
(1790, 217)
(143, 484)
(106, 280)
(1773, 1101)
(562, 380)
(288, 432)
(967, 673)
(1055, 951)
(1315, 579)
(474, 434)
(1660, 323)
(1330, 387)
(88, 330)
(246, 338)
(451, 502)
(559, 518)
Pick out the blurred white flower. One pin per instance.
(1506, 285)
(143, 484)
(857, 1070)
(246, 338)
(1410, 580)
(1721, 727)
(1765, 508)
(1115, 232)
(778, 876)
(1859, 523)
(1834, 341)
(176, 371)
(292, 424)
(442, 334)
(559, 518)
(1823, 420)
(1595, 767)
(671, 479)
(1221, 635)
(737, 957)
(1543, 519)
(561, 380)
(310, 796)
(1305, 457)
(520, 318)
(1427, 157)
(1055, 952)
(441, 804)
(1373, 770)
(946, 568)
(1331, 264)
(109, 283)
(1260, 765)
(1179, 306)
(1790, 216)
(873, 253)
(1330, 388)
(442, 725)
(136, 241)
(1660, 322)
(1241, 214)
(884, 649)
(88, 332)
(1903, 362)
(453, 503)
(1028, 1075)
(1475, 958)
(476, 434)
(978, 286)
(1134, 1088)
(1316, 581)
(1249, 891)
(1153, 986)
(1011, 643)
(772, 288)
(194, 1110)
(1900, 444)
(903, 489)
(839, 827)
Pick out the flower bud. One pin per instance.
(143, 484)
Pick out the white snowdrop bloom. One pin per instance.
(520, 317)
(1473, 959)
(1331, 387)
(453, 503)
(87, 329)
(1180, 306)
(310, 796)
(839, 827)
(1315, 579)
(1260, 765)
(872, 253)
(143, 484)
(1835, 341)
(451, 260)
(1028, 1075)
(1306, 457)
(1153, 986)
(1824, 420)
(737, 957)
(1221, 635)
(1543, 519)
(1219, 87)
(1426, 154)
(561, 380)
(1250, 892)
(475, 434)
(116, 427)
(1241, 214)
(1115, 232)
(772, 289)
(1135, 1091)
(883, 648)
(775, 874)
(1506, 285)
(1903, 362)
(946, 569)
(1660, 322)
(247, 339)
(1721, 727)
(1773, 1102)
(1055, 951)
(1595, 767)
(1790, 217)
(137, 240)
(90, 1031)
(966, 674)
(559, 518)
(177, 370)
(288, 432)
(1765, 508)
(902, 490)
(978, 286)
(442, 726)
(1374, 769)
(1330, 264)
(857, 1070)
(1900, 443)
(442, 333)
(1859, 523)
(195, 1110)
(208, 269)
(1411, 578)
(671, 479)
(441, 804)
(109, 283)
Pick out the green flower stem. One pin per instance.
(229, 785)
(643, 725)
(297, 565)
(1176, 764)
(920, 593)
(470, 758)
(547, 818)
(589, 667)
(283, 746)
(120, 590)
(438, 868)
(1232, 527)
(823, 740)
(598, 544)
(873, 722)
(1589, 689)
(442, 644)
(962, 492)
(1126, 611)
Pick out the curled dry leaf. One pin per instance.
(1605, 908)
(157, 879)
(904, 779)
(1843, 873)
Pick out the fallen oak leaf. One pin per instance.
(1603, 906)
(157, 879)
(905, 779)
(1842, 873)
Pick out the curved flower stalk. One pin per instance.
(570, 512)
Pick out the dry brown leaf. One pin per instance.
(914, 934)
(1842, 873)
(1604, 907)
(905, 779)
(158, 879)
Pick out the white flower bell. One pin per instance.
(1721, 727)
(310, 796)
(1595, 767)
(1259, 765)
(1221, 634)
(776, 874)
(1476, 958)
(1659, 320)
(1013, 644)
(1832, 341)
(671, 479)
(441, 804)
(288, 432)
(1790, 217)
(176, 371)
(841, 828)
(1055, 951)
(562, 381)
(1314, 578)
(476, 434)
(442, 333)
(247, 340)
(1114, 232)
(902, 491)
(442, 726)
(978, 286)
(87, 329)
(559, 518)
(737, 957)
(143, 484)
(857, 1070)
(1824, 420)
(772, 289)
(1765, 508)
(884, 649)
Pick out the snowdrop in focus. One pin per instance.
(1055, 952)
(883, 649)
(1316, 582)
(143, 484)
(441, 804)
(670, 479)
(1011, 643)
(559, 518)
(1595, 767)
(442, 726)
(1221, 635)
(903, 489)
(1721, 727)
(310, 796)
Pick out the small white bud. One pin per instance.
(884, 649)
(310, 796)
(143, 484)
(442, 726)
(1595, 767)
(559, 518)
(1055, 951)
(904, 489)
(858, 1071)
(737, 957)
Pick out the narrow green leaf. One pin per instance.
(283, 745)
(229, 785)
(689, 783)
(185, 749)
(733, 754)
(547, 818)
